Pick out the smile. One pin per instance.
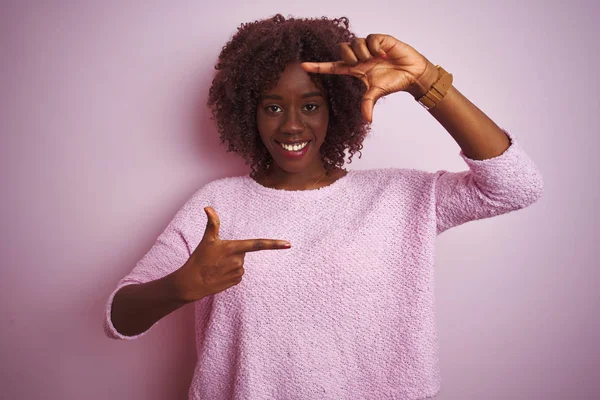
(295, 147)
(294, 151)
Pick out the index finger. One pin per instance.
(336, 68)
(248, 245)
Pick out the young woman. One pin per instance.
(348, 310)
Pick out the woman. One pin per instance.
(348, 310)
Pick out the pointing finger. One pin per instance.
(336, 68)
(248, 245)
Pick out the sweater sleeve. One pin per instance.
(170, 251)
(490, 187)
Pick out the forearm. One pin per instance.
(137, 307)
(476, 134)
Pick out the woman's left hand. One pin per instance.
(385, 65)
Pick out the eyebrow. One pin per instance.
(305, 95)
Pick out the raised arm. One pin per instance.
(501, 176)
(477, 135)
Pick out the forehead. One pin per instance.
(294, 79)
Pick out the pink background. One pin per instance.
(104, 135)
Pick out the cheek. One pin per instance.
(265, 124)
(263, 130)
(321, 123)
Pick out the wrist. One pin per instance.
(175, 287)
(424, 82)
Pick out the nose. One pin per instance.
(292, 123)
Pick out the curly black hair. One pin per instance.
(252, 61)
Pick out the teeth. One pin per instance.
(295, 147)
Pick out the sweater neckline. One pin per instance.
(332, 188)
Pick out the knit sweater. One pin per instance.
(348, 312)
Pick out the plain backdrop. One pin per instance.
(104, 135)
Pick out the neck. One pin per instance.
(278, 178)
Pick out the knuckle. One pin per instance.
(207, 280)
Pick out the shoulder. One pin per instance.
(218, 188)
(393, 176)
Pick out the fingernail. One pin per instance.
(287, 245)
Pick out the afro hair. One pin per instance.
(252, 61)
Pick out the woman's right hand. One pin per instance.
(215, 264)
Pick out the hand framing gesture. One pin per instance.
(385, 65)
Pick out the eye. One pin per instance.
(272, 109)
(311, 106)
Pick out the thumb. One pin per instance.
(369, 100)
(212, 225)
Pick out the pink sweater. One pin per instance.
(348, 312)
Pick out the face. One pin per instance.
(295, 110)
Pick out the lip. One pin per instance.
(294, 154)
